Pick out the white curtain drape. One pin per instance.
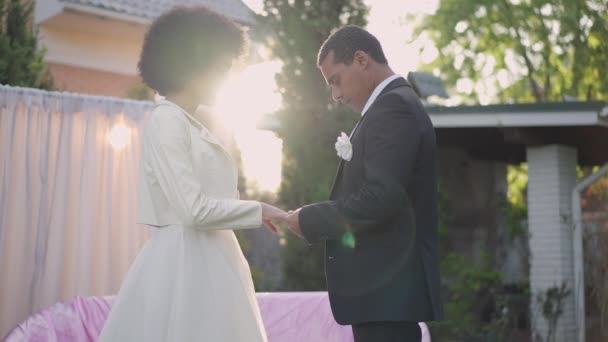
(68, 178)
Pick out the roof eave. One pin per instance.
(581, 114)
(130, 18)
(521, 119)
(603, 116)
(107, 14)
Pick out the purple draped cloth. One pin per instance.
(288, 317)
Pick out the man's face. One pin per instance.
(347, 82)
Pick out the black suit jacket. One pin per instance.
(380, 224)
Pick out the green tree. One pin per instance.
(528, 50)
(140, 91)
(21, 62)
(309, 120)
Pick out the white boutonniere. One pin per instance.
(344, 147)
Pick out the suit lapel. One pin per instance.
(399, 82)
(336, 178)
(355, 129)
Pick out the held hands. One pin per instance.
(272, 215)
(293, 222)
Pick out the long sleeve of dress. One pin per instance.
(168, 142)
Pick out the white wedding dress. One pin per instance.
(191, 281)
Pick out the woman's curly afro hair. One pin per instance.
(185, 41)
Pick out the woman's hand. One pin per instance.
(271, 214)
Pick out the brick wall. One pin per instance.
(88, 81)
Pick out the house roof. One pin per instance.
(503, 132)
(150, 9)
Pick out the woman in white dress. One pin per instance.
(190, 282)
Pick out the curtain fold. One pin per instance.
(68, 189)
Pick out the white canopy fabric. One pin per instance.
(68, 172)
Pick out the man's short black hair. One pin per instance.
(348, 40)
(184, 42)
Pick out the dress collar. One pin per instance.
(204, 132)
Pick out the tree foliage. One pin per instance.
(21, 62)
(521, 51)
(528, 50)
(309, 121)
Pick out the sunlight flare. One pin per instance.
(243, 100)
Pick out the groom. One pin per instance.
(380, 224)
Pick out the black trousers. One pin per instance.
(387, 332)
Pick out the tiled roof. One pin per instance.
(150, 9)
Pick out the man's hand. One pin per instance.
(293, 222)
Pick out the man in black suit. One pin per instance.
(380, 224)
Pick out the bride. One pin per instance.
(190, 282)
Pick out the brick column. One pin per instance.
(551, 179)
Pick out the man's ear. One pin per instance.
(361, 59)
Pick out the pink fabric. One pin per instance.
(288, 317)
(300, 317)
(79, 319)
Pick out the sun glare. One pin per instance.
(119, 136)
(248, 95)
(243, 99)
